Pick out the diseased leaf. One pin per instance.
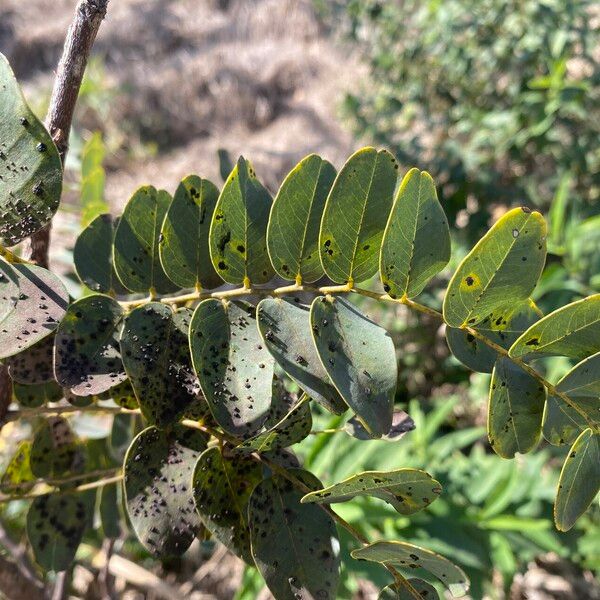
(515, 409)
(500, 271)
(35, 312)
(360, 359)
(285, 328)
(355, 215)
(158, 471)
(238, 242)
(93, 256)
(55, 450)
(9, 290)
(234, 368)
(406, 556)
(156, 356)
(401, 424)
(121, 394)
(87, 356)
(38, 394)
(583, 380)
(136, 257)
(18, 477)
(293, 231)
(184, 251)
(562, 423)
(416, 241)
(222, 488)
(573, 331)
(33, 365)
(407, 490)
(31, 174)
(296, 547)
(579, 481)
(398, 592)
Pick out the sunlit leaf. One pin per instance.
(18, 476)
(416, 241)
(238, 242)
(293, 231)
(407, 490)
(579, 481)
(184, 251)
(31, 176)
(360, 359)
(500, 271)
(355, 215)
(33, 365)
(158, 471)
(401, 424)
(296, 547)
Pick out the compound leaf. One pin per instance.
(238, 232)
(573, 331)
(136, 256)
(295, 548)
(408, 556)
(579, 480)
(360, 359)
(34, 313)
(416, 241)
(515, 409)
(501, 270)
(184, 250)
(87, 356)
(398, 592)
(222, 488)
(293, 230)
(234, 368)
(355, 215)
(37, 394)
(33, 365)
(285, 328)
(156, 357)
(31, 179)
(407, 490)
(18, 476)
(158, 472)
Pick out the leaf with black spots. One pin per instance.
(122, 395)
(401, 425)
(294, 545)
(184, 251)
(562, 424)
(87, 357)
(406, 556)
(238, 232)
(158, 472)
(30, 167)
(234, 368)
(397, 591)
(360, 359)
(38, 394)
(222, 487)
(407, 490)
(156, 356)
(33, 365)
(18, 476)
(136, 255)
(34, 313)
(284, 326)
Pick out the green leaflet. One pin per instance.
(401, 424)
(355, 215)
(184, 251)
(136, 257)
(360, 359)
(579, 480)
(501, 270)
(55, 526)
(573, 331)
(293, 230)
(296, 547)
(397, 592)
(407, 490)
(55, 450)
(93, 256)
(234, 368)
(156, 357)
(31, 181)
(284, 326)
(93, 179)
(121, 394)
(562, 423)
(238, 243)
(123, 430)
(33, 365)
(416, 241)
(516, 405)
(109, 503)
(222, 488)
(408, 556)
(158, 471)
(37, 394)
(34, 312)
(583, 380)
(503, 327)
(18, 477)
(87, 356)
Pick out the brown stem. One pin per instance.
(80, 39)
